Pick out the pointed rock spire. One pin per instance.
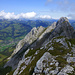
(62, 20)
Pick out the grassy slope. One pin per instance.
(3, 59)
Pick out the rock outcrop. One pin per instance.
(42, 62)
(65, 70)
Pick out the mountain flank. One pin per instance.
(45, 51)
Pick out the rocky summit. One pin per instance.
(45, 51)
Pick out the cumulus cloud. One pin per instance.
(9, 15)
(45, 17)
(28, 15)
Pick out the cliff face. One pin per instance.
(46, 51)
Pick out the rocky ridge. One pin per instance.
(54, 56)
(52, 61)
(29, 38)
(33, 36)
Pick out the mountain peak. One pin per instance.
(61, 20)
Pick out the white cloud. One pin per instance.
(8, 15)
(45, 17)
(28, 15)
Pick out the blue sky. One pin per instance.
(45, 9)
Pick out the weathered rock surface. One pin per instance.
(49, 29)
(42, 63)
(70, 59)
(45, 35)
(65, 70)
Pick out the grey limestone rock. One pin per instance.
(62, 41)
(48, 30)
(29, 38)
(22, 45)
(70, 59)
(41, 63)
(65, 70)
(61, 20)
(63, 28)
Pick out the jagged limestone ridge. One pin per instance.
(22, 45)
(30, 38)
